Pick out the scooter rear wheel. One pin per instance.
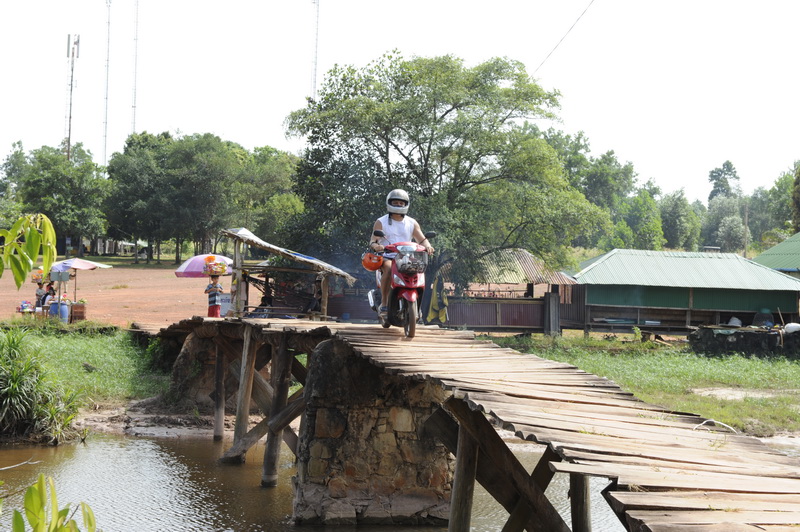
(411, 319)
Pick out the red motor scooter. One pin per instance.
(408, 284)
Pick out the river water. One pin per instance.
(175, 484)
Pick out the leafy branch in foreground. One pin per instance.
(59, 520)
(30, 236)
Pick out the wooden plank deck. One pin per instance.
(668, 470)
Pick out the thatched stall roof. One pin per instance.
(309, 263)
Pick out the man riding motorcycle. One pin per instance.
(397, 227)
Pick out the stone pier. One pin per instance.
(362, 458)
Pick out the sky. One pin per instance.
(676, 88)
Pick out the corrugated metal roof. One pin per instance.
(247, 237)
(683, 269)
(784, 256)
(515, 266)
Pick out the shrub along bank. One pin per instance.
(48, 373)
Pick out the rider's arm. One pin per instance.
(375, 241)
(419, 236)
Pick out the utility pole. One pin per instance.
(316, 48)
(73, 52)
(135, 61)
(108, 63)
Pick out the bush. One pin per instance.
(30, 406)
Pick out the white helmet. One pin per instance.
(397, 194)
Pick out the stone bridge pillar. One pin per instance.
(361, 458)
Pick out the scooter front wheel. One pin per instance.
(411, 319)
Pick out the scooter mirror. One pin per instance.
(378, 233)
(430, 234)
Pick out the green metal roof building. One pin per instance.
(784, 257)
(678, 290)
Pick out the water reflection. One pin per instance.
(135, 484)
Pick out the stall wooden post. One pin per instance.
(463, 482)
(281, 372)
(238, 302)
(324, 302)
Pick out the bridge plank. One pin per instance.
(642, 477)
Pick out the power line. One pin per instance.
(564, 37)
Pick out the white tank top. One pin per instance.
(396, 231)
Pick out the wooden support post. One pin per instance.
(541, 476)
(579, 503)
(236, 453)
(548, 518)
(245, 385)
(219, 393)
(463, 482)
(281, 371)
(441, 426)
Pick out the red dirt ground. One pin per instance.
(121, 295)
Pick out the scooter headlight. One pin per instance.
(399, 280)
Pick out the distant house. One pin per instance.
(508, 296)
(675, 291)
(510, 273)
(784, 257)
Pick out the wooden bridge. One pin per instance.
(668, 471)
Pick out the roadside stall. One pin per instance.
(258, 276)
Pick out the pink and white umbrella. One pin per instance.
(76, 264)
(205, 265)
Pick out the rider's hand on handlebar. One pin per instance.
(429, 249)
(376, 247)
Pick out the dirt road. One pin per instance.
(121, 295)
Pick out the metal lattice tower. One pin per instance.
(73, 52)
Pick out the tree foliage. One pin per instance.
(70, 192)
(679, 222)
(189, 188)
(724, 181)
(454, 137)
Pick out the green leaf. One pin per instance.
(18, 269)
(88, 518)
(32, 241)
(17, 523)
(55, 521)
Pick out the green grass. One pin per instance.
(105, 367)
(667, 375)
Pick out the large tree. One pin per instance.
(139, 203)
(450, 134)
(70, 192)
(721, 208)
(724, 181)
(679, 222)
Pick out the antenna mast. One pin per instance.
(316, 48)
(108, 63)
(135, 61)
(73, 52)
